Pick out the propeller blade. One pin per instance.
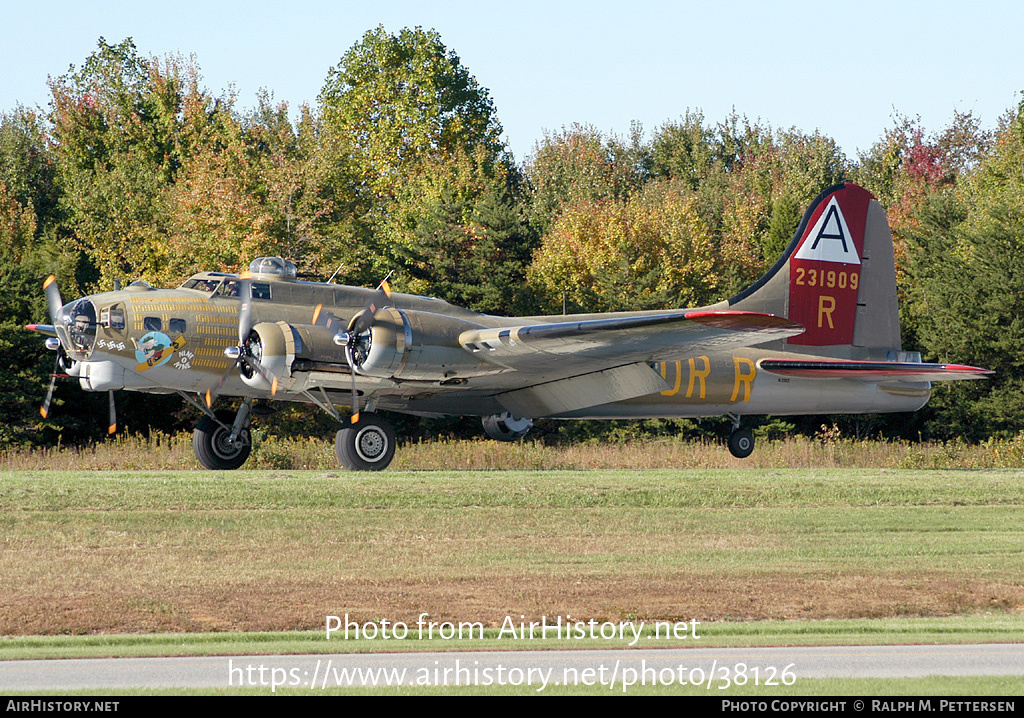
(355, 397)
(212, 394)
(55, 303)
(53, 297)
(350, 339)
(45, 408)
(112, 425)
(244, 307)
(364, 321)
(325, 319)
(378, 300)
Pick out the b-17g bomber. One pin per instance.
(817, 334)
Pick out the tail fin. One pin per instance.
(837, 278)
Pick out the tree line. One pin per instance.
(135, 170)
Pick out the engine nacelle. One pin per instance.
(268, 343)
(411, 345)
(505, 427)
(404, 345)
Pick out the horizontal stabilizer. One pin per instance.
(872, 371)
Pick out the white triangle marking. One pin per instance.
(829, 239)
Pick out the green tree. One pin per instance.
(682, 150)
(395, 100)
(27, 166)
(966, 272)
(457, 231)
(29, 250)
(652, 251)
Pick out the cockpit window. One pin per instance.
(153, 324)
(228, 289)
(112, 317)
(176, 326)
(203, 285)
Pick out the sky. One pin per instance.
(845, 69)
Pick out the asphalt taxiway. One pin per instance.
(714, 668)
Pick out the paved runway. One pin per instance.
(713, 668)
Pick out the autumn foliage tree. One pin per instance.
(123, 125)
(652, 251)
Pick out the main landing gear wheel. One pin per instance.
(741, 443)
(212, 445)
(368, 445)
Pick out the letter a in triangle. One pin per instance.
(829, 240)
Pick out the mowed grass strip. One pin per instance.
(981, 628)
(279, 551)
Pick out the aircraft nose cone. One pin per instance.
(76, 327)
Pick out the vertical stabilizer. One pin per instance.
(836, 278)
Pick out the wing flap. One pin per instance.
(600, 387)
(872, 371)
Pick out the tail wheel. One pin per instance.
(212, 445)
(741, 443)
(368, 445)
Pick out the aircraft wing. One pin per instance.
(587, 362)
(872, 371)
(588, 344)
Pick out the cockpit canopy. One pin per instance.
(274, 266)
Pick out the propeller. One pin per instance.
(242, 353)
(55, 304)
(245, 355)
(362, 322)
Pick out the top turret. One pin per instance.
(273, 267)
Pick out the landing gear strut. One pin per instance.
(368, 445)
(741, 441)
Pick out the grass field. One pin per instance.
(135, 552)
(112, 563)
